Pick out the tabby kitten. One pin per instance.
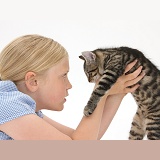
(108, 65)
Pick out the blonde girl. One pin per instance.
(33, 73)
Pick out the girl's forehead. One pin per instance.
(60, 67)
(63, 63)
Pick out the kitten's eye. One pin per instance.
(94, 74)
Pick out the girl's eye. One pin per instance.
(65, 75)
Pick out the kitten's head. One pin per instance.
(91, 66)
(97, 61)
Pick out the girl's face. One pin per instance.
(53, 90)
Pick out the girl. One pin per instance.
(33, 73)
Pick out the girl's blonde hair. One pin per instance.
(29, 53)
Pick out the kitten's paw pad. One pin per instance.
(87, 112)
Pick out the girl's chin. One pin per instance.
(59, 108)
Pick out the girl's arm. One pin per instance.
(88, 128)
(32, 127)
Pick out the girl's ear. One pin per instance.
(31, 81)
(88, 56)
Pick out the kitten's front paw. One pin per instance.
(87, 111)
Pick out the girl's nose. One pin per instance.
(69, 85)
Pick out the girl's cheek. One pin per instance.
(51, 97)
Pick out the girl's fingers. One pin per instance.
(132, 89)
(125, 81)
(136, 80)
(133, 75)
(130, 65)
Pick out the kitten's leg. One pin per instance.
(103, 86)
(93, 101)
(137, 131)
(153, 127)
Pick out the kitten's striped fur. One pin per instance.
(109, 64)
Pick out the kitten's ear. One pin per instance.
(88, 56)
(81, 57)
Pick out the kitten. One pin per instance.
(108, 65)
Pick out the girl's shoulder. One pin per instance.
(14, 104)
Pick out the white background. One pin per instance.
(86, 25)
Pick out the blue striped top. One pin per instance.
(14, 104)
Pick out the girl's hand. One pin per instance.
(122, 86)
